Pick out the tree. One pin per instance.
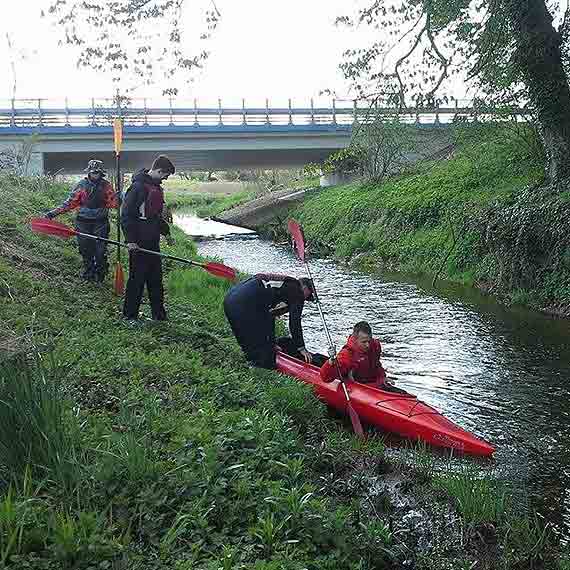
(134, 40)
(381, 145)
(506, 47)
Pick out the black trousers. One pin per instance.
(144, 269)
(288, 347)
(94, 252)
(247, 307)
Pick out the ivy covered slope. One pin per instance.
(481, 217)
(154, 445)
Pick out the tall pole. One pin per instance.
(118, 136)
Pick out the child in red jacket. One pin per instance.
(358, 360)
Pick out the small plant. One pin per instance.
(479, 499)
(135, 458)
(268, 532)
(527, 541)
(12, 525)
(294, 469)
(379, 535)
(564, 562)
(79, 537)
(296, 503)
(230, 556)
(177, 529)
(379, 530)
(21, 514)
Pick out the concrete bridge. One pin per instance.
(197, 138)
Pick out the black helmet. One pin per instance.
(95, 166)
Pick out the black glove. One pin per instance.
(49, 215)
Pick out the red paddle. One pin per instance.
(49, 227)
(299, 240)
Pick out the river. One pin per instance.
(502, 373)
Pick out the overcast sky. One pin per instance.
(262, 48)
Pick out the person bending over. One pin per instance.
(252, 306)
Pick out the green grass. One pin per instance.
(479, 499)
(207, 205)
(177, 184)
(463, 219)
(154, 445)
(194, 195)
(39, 432)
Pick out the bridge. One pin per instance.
(195, 137)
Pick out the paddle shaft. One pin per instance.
(119, 200)
(327, 332)
(119, 244)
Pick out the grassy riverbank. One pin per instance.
(210, 199)
(154, 446)
(480, 218)
(207, 205)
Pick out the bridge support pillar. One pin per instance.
(13, 157)
(36, 164)
(334, 179)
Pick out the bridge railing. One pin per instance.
(98, 113)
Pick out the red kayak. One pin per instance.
(402, 414)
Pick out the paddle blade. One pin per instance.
(220, 270)
(355, 420)
(119, 280)
(298, 238)
(118, 134)
(51, 228)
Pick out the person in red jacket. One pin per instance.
(93, 197)
(358, 360)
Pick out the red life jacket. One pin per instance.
(364, 365)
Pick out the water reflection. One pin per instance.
(501, 373)
(199, 227)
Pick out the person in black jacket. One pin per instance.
(143, 222)
(251, 308)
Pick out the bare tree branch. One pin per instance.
(402, 60)
(215, 8)
(400, 39)
(134, 40)
(12, 64)
(565, 25)
(443, 60)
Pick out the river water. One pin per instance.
(503, 374)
